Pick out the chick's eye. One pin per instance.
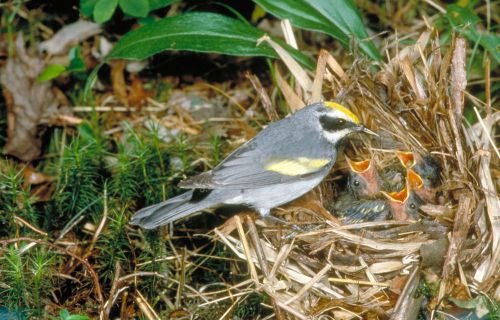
(356, 182)
(341, 122)
(412, 206)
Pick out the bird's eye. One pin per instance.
(330, 123)
(356, 182)
(412, 206)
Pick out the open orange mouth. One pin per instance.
(406, 157)
(398, 196)
(359, 166)
(414, 180)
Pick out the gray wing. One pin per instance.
(247, 166)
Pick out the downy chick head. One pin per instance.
(404, 204)
(426, 166)
(417, 185)
(363, 180)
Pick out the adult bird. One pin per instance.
(281, 163)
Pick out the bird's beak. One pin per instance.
(366, 130)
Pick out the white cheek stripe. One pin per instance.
(336, 136)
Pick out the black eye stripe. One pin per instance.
(334, 124)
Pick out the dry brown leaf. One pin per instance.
(29, 103)
(292, 99)
(69, 35)
(137, 96)
(31, 176)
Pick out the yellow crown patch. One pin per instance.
(344, 110)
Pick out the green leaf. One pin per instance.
(340, 19)
(104, 9)
(76, 62)
(135, 8)
(200, 32)
(157, 4)
(91, 80)
(465, 21)
(87, 7)
(50, 72)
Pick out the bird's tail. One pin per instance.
(171, 210)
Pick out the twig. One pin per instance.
(107, 306)
(25, 223)
(180, 287)
(100, 227)
(266, 101)
(359, 282)
(246, 248)
(262, 259)
(486, 132)
(309, 285)
(145, 307)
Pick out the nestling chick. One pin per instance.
(417, 185)
(402, 205)
(427, 167)
(363, 180)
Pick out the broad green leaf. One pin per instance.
(50, 72)
(201, 32)
(87, 7)
(104, 9)
(135, 8)
(76, 62)
(339, 18)
(157, 4)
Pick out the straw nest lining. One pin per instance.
(416, 102)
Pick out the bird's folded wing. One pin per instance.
(276, 155)
(249, 168)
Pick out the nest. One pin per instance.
(372, 269)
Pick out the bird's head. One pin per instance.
(337, 122)
(404, 204)
(363, 177)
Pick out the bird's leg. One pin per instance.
(265, 213)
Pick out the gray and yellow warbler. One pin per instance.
(281, 163)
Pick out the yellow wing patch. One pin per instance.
(297, 166)
(344, 110)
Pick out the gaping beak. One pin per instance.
(366, 130)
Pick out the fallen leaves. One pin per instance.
(30, 104)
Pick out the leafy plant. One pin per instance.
(102, 10)
(463, 19)
(78, 186)
(197, 31)
(339, 19)
(113, 245)
(14, 197)
(76, 64)
(65, 315)
(26, 278)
